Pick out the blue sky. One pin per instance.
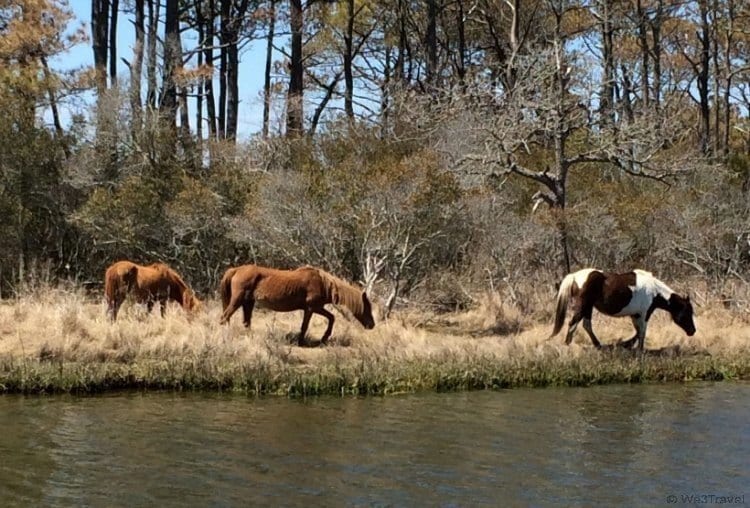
(252, 62)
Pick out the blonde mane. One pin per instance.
(342, 292)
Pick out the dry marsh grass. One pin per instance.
(59, 340)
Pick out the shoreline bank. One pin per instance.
(63, 343)
(363, 377)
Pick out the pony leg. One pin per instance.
(162, 306)
(305, 323)
(590, 331)
(573, 324)
(234, 304)
(247, 312)
(632, 340)
(640, 327)
(571, 330)
(639, 323)
(329, 329)
(113, 307)
(583, 311)
(572, 327)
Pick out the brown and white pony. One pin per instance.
(148, 284)
(307, 288)
(636, 294)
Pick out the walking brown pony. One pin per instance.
(148, 284)
(636, 294)
(306, 288)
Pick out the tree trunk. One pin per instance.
(702, 78)
(348, 57)
(201, 29)
(233, 100)
(515, 43)
(385, 97)
(232, 42)
(99, 28)
(59, 133)
(400, 65)
(608, 61)
(172, 61)
(643, 41)
(461, 56)
(267, 72)
(431, 42)
(136, 68)
(715, 43)
(729, 41)
(113, 43)
(153, 25)
(656, 52)
(295, 112)
(562, 239)
(224, 8)
(208, 82)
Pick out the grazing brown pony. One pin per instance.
(636, 294)
(149, 284)
(306, 288)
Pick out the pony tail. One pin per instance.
(563, 295)
(111, 285)
(225, 287)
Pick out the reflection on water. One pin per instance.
(613, 445)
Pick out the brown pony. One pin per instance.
(149, 284)
(307, 288)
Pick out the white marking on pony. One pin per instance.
(646, 288)
(579, 278)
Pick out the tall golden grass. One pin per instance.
(61, 340)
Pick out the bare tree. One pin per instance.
(541, 115)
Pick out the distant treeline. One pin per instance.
(429, 149)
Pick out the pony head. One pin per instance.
(191, 302)
(365, 317)
(682, 313)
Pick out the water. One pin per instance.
(611, 445)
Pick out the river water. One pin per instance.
(609, 445)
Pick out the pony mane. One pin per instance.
(650, 281)
(176, 280)
(342, 292)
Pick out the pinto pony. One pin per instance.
(307, 288)
(636, 294)
(149, 284)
